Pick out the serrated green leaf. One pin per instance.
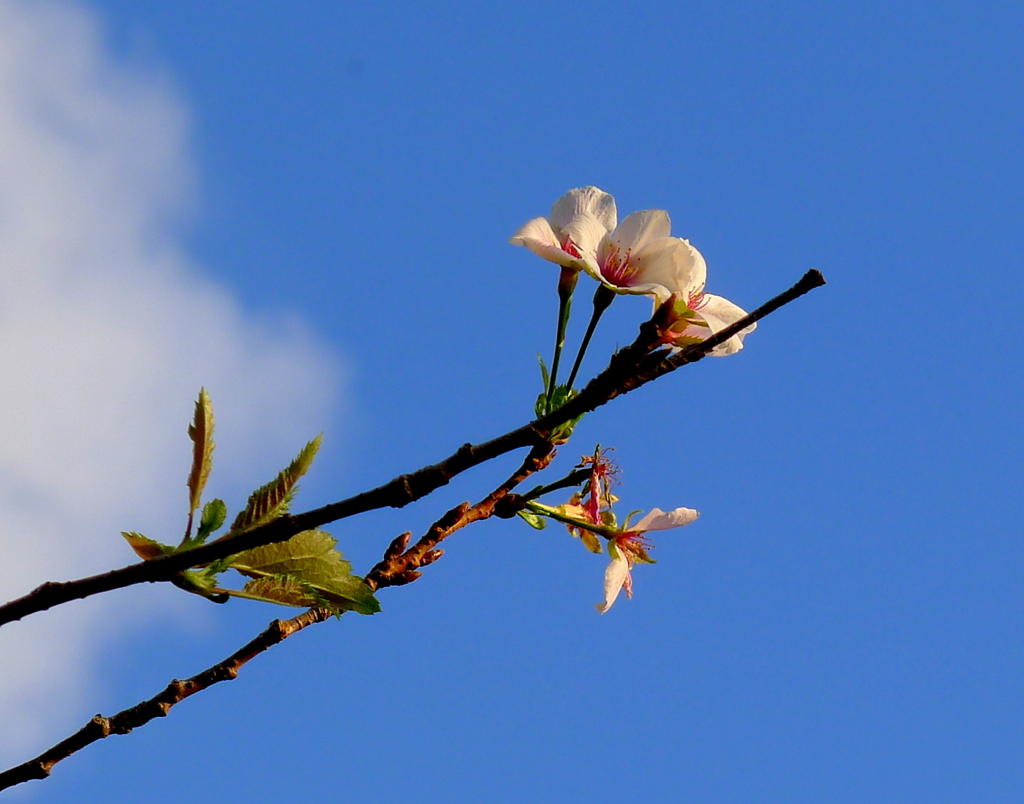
(533, 520)
(219, 566)
(146, 548)
(200, 582)
(269, 502)
(201, 433)
(214, 514)
(543, 373)
(281, 589)
(311, 558)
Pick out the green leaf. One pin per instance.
(200, 582)
(146, 548)
(214, 514)
(311, 559)
(201, 433)
(219, 566)
(562, 394)
(281, 589)
(545, 376)
(533, 520)
(269, 502)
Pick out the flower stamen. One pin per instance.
(569, 247)
(617, 267)
(697, 299)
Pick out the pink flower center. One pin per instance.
(570, 248)
(697, 299)
(618, 268)
(634, 539)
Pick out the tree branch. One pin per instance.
(160, 704)
(628, 369)
(398, 566)
(401, 565)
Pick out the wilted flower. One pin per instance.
(631, 546)
(597, 490)
(571, 234)
(593, 504)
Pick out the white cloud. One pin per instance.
(107, 331)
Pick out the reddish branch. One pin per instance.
(637, 364)
(399, 565)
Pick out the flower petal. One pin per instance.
(720, 313)
(692, 270)
(584, 201)
(656, 519)
(536, 229)
(652, 270)
(614, 577)
(538, 236)
(657, 267)
(586, 233)
(641, 228)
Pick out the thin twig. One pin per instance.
(160, 704)
(627, 370)
(402, 565)
(397, 567)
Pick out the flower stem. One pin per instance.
(566, 286)
(551, 513)
(603, 298)
(574, 478)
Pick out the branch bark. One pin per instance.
(401, 565)
(398, 566)
(160, 704)
(637, 364)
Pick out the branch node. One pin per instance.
(430, 557)
(402, 578)
(398, 546)
(406, 490)
(100, 724)
(507, 507)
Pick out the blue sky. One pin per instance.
(843, 622)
